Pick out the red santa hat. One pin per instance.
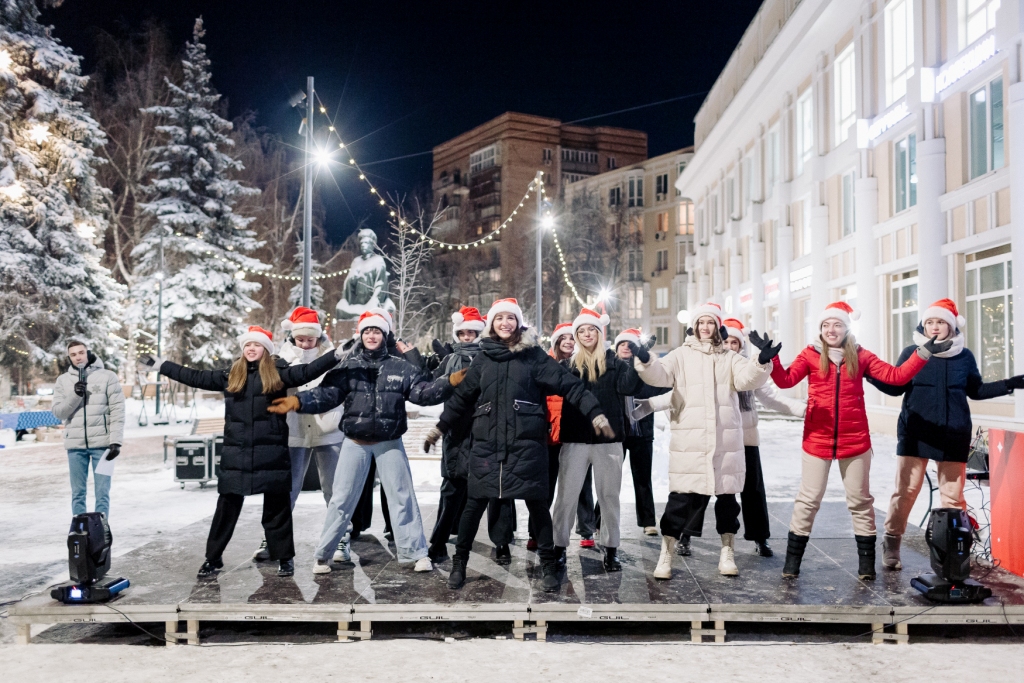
(375, 317)
(467, 318)
(304, 322)
(841, 311)
(945, 309)
(561, 330)
(504, 306)
(257, 334)
(735, 329)
(630, 335)
(590, 317)
(710, 309)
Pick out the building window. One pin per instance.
(635, 303)
(848, 208)
(661, 335)
(579, 156)
(899, 48)
(804, 130)
(986, 128)
(977, 17)
(905, 313)
(679, 172)
(905, 173)
(730, 199)
(681, 249)
(636, 191)
(661, 186)
(663, 221)
(989, 311)
(771, 162)
(546, 156)
(661, 260)
(661, 297)
(570, 178)
(483, 159)
(636, 265)
(844, 77)
(686, 217)
(614, 196)
(611, 163)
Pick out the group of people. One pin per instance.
(521, 422)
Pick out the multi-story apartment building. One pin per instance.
(480, 177)
(652, 227)
(863, 150)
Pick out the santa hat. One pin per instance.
(561, 330)
(257, 334)
(590, 317)
(467, 318)
(630, 335)
(710, 309)
(735, 329)
(375, 317)
(504, 306)
(945, 309)
(841, 311)
(303, 322)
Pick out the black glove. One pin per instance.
(765, 345)
(723, 332)
(1015, 382)
(81, 388)
(639, 352)
(440, 349)
(933, 347)
(115, 450)
(650, 342)
(433, 362)
(688, 333)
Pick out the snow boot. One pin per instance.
(210, 569)
(611, 562)
(727, 559)
(560, 557)
(343, 553)
(683, 547)
(503, 555)
(763, 549)
(457, 577)
(263, 553)
(550, 581)
(438, 552)
(664, 568)
(891, 552)
(795, 548)
(286, 568)
(866, 557)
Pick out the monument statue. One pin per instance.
(366, 285)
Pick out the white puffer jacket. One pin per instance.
(310, 431)
(98, 421)
(706, 444)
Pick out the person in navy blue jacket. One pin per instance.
(935, 422)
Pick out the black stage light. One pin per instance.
(950, 536)
(76, 594)
(89, 543)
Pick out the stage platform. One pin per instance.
(167, 599)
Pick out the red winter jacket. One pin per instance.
(836, 423)
(554, 415)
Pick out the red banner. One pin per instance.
(1006, 466)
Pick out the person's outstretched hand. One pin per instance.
(932, 347)
(433, 436)
(147, 362)
(455, 379)
(603, 428)
(1015, 382)
(283, 406)
(440, 349)
(640, 352)
(764, 344)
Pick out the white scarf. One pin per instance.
(958, 344)
(834, 354)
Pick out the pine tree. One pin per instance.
(52, 286)
(205, 244)
(316, 292)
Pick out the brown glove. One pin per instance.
(455, 379)
(433, 436)
(603, 427)
(283, 406)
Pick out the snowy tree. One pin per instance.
(52, 286)
(408, 257)
(316, 292)
(199, 243)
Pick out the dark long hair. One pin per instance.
(516, 337)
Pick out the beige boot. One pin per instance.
(891, 552)
(664, 568)
(727, 561)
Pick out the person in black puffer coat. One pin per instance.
(373, 386)
(611, 380)
(255, 457)
(504, 396)
(935, 421)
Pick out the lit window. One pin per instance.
(905, 173)
(804, 130)
(899, 48)
(986, 128)
(483, 159)
(663, 221)
(977, 17)
(989, 311)
(686, 218)
(844, 77)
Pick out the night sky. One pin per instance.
(407, 76)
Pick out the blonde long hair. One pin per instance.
(590, 364)
(849, 348)
(269, 376)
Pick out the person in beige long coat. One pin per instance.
(706, 455)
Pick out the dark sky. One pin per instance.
(411, 75)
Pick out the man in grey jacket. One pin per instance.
(89, 399)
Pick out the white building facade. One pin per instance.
(861, 150)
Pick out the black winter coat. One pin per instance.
(455, 446)
(255, 457)
(611, 388)
(505, 393)
(935, 422)
(374, 386)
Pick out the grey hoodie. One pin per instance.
(98, 421)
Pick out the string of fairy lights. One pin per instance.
(561, 262)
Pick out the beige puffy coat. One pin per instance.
(706, 444)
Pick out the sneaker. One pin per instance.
(210, 569)
(611, 560)
(531, 544)
(286, 568)
(650, 531)
(263, 554)
(550, 581)
(586, 543)
(457, 577)
(683, 547)
(342, 554)
(321, 567)
(727, 558)
(763, 549)
(423, 565)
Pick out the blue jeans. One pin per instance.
(79, 460)
(326, 463)
(395, 477)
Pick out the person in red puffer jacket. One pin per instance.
(836, 427)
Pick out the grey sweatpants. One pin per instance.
(573, 461)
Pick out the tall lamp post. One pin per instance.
(307, 207)
(540, 242)
(159, 322)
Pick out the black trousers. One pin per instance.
(540, 518)
(587, 514)
(641, 454)
(684, 514)
(754, 499)
(277, 524)
(500, 514)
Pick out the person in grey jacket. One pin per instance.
(89, 399)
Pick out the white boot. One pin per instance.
(321, 567)
(727, 561)
(423, 565)
(668, 549)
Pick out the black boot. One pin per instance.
(763, 549)
(458, 575)
(611, 562)
(866, 557)
(286, 568)
(503, 555)
(560, 556)
(438, 552)
(794, 554)
(210, 568)
(683, 546)
(550, 581)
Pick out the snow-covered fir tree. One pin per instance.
(316, 292)
(205, 244)
(52, 286)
